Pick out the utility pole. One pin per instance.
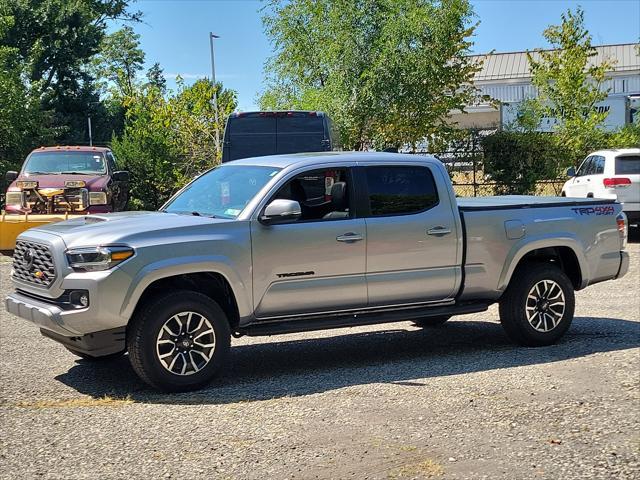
(215, 92)
(90, 136)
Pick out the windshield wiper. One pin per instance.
(194, 213)
(43, 173)
(77, 173)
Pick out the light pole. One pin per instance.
(215, 91)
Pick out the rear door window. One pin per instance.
(628, 165)
(400, 190)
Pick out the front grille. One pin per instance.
(33, 263)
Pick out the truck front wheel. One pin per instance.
(178, 342)
(537, 308)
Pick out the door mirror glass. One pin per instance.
(571, 172)
(280, 211)
(121, 176)
(11, 176)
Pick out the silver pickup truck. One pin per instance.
(290, 243)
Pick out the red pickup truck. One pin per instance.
(71, 179)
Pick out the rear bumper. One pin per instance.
(624, 264)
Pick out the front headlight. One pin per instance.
(14, 198)
(94, 259)
(97, 198)
(74, 184)
(27, 184)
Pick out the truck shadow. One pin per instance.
(400, 355)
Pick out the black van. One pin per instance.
(256, 134)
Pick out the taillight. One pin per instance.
(621, 221)
(616, 182)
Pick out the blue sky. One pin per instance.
(175, 33)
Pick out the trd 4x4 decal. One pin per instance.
(600, 210)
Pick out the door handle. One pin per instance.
(439, 230)
(349, 237)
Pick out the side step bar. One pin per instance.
(354, 319)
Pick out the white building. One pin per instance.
(506, 78)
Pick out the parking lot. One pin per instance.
(387, 401)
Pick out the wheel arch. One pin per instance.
(216, 280)
(563, 253)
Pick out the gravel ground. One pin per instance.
(389, 401)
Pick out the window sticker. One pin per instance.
(232, 211)
(225, 193)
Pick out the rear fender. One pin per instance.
(529, 244)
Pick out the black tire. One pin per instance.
(90, 358)
(144, 333)
(431, 321)
(516, 302)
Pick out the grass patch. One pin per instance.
(105, 401)
(425, 469)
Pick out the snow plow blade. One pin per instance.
(13, 225)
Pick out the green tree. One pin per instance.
(570, 84)
(155, 77)
(387, 71)
(119, 60)
(169, 140)
(54, 41)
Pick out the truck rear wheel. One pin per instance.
(179, 342)
(431, 321)
(537, 308)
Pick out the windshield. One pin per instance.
(222, 192)
(65, 162)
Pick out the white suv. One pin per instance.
(612, 174)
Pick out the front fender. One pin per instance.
(184, 265)
(529, 244)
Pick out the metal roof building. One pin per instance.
(506, 78)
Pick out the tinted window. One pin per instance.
(628, 164)
(400, 190)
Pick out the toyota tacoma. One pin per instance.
(291, 243)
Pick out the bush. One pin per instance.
(517, 160)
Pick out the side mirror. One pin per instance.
(571, 172)
(121, 176)
(11, 176)
(280, 211)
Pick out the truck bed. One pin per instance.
(508, 202)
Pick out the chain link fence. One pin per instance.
(464, 161)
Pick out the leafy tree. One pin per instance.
(53, 41)
(155, 77)
(168, 141)
(120, 59)
(569, 85)
(387, 71)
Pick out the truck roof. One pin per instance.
(80, 148)
(310, 158)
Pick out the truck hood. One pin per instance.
(94, 182)
(132, 228)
